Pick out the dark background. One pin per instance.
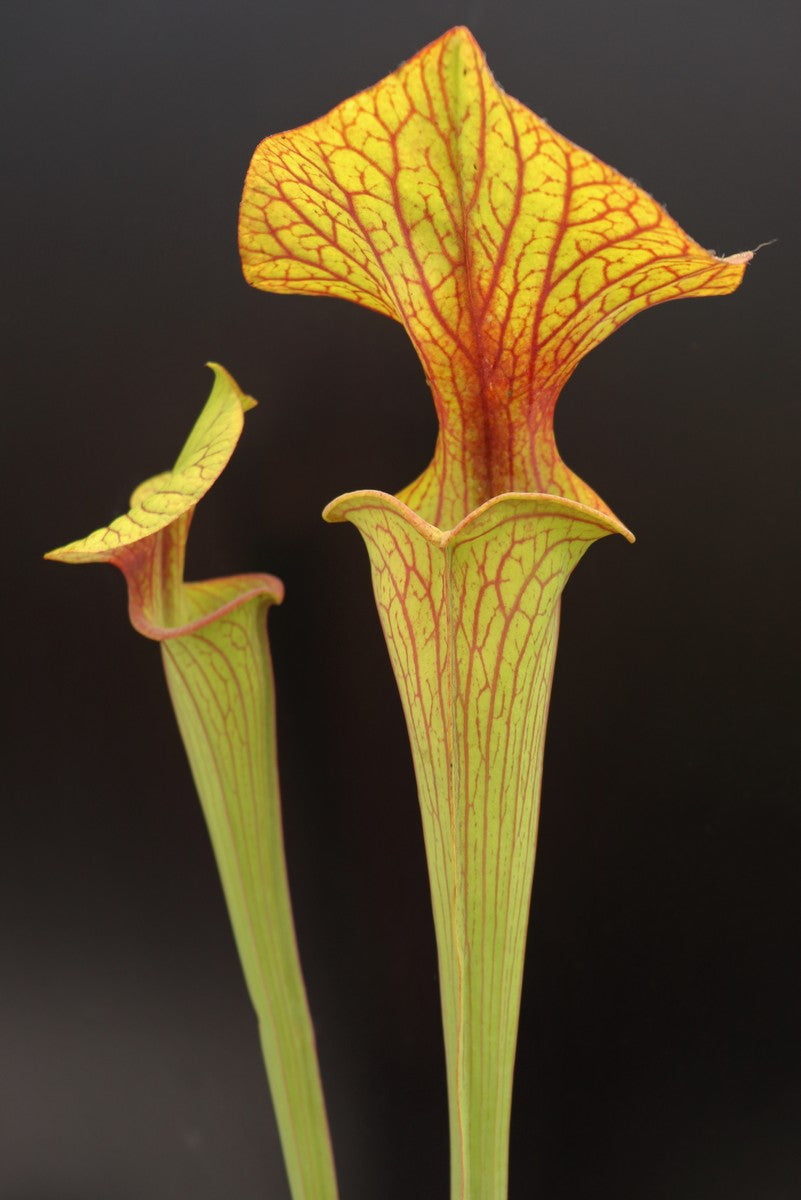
(660, 1055)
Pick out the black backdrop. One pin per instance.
(659, 1052)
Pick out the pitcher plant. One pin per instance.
(217, 662)
(507, 253)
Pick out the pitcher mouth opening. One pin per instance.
(341, 507)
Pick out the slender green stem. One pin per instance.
(221, 683)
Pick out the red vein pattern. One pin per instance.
(217, 661)
(506, 251)
(470, 619)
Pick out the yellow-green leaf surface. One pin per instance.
(506, 251)
(148, 542)
(470, 618)
(217, 661)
